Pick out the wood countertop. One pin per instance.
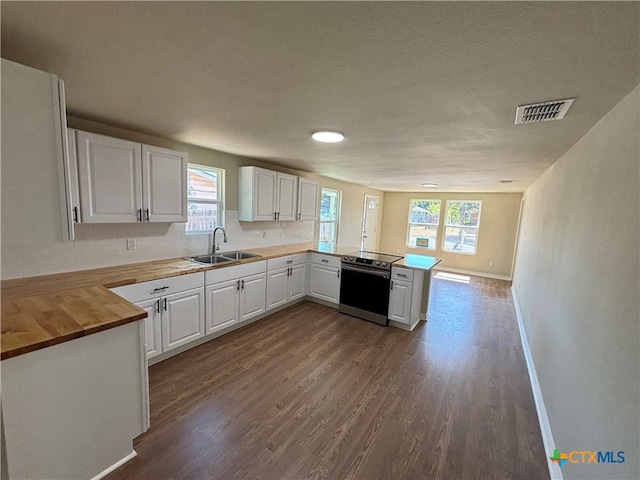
(38, 312)
(418, 262)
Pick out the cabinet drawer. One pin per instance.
(329, 260)
(223, 274)
(405, 274)
(288, 261)
(156, 288)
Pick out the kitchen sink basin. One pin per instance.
(239, 255)
(210, 259)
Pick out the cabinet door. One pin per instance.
(287, 196)
(182, 318)
(264, 194)
(308, 199)
(164, 184)
(277, 287)
(298, 282)
(325, 283)
(252, 296)
(110, 175)
(34, 207)
(400, 301)
(222, 301)
(152, 326)
(72, 172)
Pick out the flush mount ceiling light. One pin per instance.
(429, 185)
(327, 136)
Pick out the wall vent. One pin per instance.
(507, 181)
(543, 112)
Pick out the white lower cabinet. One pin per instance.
(175, 310)
(406, 298)
(234, 294)
(400, 301)
(324, 278)
(286, 280)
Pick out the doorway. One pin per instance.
(370, 223)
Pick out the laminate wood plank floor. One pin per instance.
(312, 393)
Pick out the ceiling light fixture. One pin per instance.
(327, 136)
(429, 185)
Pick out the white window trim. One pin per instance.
(337, 220)
(445, 225)
(409, 222)
(219, 202)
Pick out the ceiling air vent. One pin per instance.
(543, 112)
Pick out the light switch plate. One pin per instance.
(131, 243)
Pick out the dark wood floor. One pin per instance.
(311, 393)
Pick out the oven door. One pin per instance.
(364, 293)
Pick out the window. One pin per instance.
(329, 216)
(205, 194)
(423, 223)
(461, 225)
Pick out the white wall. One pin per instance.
(577, 281)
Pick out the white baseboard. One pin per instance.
(471, 272)
(118, 464)
(545, 428)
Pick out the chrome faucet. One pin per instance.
(214, 247)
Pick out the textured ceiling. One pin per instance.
(424, 91)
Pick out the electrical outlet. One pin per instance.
(491, 263)
(131, 243)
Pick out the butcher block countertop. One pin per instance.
(39, 312)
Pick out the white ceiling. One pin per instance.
(424, 91)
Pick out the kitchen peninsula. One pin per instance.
(74, 369)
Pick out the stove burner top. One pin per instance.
(381, 261)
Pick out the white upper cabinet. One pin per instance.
(110, 178)
(267, 195)
(122, 181)
(34, 201)
(164, 184)
(308, 196)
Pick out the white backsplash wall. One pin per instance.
(105, 245)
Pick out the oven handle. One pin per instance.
(368, 271)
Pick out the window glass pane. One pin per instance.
(460, 239)
(204, 196)
(425, 211)
(202, 184)
(202, 217)
(329, 205)
(328, 233)
(463, 213)
(424, 216)
(422, 236)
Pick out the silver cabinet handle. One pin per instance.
(160, 289)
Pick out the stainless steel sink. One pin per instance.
(210, 259)
(238, 255)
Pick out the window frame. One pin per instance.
(445, 225)
(410, 223)
(338, 213)
(219, 202)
